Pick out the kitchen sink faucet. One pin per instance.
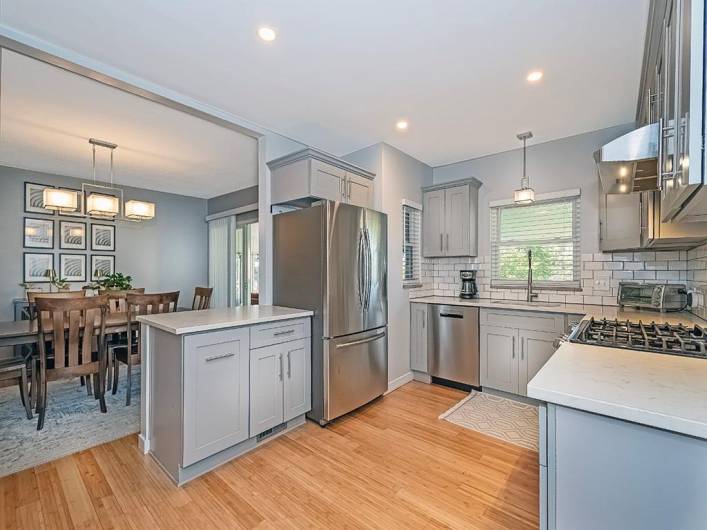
(531, 294)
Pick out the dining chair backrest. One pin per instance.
(76, 328)
(148, 304)
(202, 297)
(117, 298)
(33, 295)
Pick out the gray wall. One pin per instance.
(166, 253)
(552, 166)
(235, 199)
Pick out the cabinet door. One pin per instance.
(536, 347)
(266, 385)
(433, 223)
(499, 361)
(619, 221)
(457, 221)
(418, 337)
(215, 393)
(298, 378)
(359, 190)
(327, 181)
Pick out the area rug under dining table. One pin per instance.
(73, 423)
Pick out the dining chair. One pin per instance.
(75, 327)
(117, 304)
(32, 311)
(129, 352)
(16, 368)
(202, 298)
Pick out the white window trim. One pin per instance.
(416, 282)
(573, 285)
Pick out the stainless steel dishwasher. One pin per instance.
(453, 343)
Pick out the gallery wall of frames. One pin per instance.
(70, 246)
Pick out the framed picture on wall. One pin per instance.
(72, 267)
(38, 233)
(72, 235)
(103, 237)
(34, 198)
(101, 266)
(35, 267)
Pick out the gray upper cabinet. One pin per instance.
(310, 175)
(450, 219)
(215, 393)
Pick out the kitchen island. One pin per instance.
(217, 383)
(623, 437)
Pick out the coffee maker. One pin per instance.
(469, 289)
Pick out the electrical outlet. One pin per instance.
(601, 284)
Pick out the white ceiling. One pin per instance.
(47, 116)
(342, 72)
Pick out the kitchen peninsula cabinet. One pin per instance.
(219, 382)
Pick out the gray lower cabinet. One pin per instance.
(281, 384)
(499, 365)
(215, 393)
(418, 337)
(536, 348)
(514, 346)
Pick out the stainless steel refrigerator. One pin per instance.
(332, 258)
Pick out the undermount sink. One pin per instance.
(524, 302)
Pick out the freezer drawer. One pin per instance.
(355, 370)
(453, 348)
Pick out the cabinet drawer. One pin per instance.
(530, 320)
(278, 332)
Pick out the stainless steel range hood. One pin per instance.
(630, 162)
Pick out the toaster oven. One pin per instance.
(663, 297)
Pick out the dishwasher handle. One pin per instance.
(451, 315)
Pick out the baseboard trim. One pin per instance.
(398, 382)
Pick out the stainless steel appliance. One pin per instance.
(657, 338)
(453, 344)
(332, 259)
(469, 289)
(671, 297)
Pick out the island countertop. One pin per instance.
(182, 322)
(659, 390)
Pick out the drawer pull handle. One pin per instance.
(361, 341)
(222, 356)
(279, 333)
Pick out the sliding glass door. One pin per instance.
(234, 260)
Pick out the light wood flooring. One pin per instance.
(392, 464)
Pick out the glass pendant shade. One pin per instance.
(139, 210)
(105, 205)
(60, 200)
(524, 196)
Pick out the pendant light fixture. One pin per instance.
(107, 204)
(63, 201)
(526, 194)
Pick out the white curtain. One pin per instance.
(219, 263)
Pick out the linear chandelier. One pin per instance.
(105, 202)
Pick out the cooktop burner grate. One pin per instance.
(653, 337)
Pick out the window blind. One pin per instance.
(411, 245)
(551, 229)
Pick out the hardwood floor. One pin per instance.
(392, 464)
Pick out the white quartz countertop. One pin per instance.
(587, 310)
(182, 322)
(659, 390)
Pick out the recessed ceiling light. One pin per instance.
(267, 34)
(535, 76)
(402, 125)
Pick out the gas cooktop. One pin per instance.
(653, 337)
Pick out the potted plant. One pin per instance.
(114, 282)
